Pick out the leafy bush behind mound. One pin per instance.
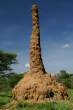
(65, 78)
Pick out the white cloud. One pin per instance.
(65, 46)
(27, 65)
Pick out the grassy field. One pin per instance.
(5, 97)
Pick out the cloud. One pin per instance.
(65, 46)
(27, 65)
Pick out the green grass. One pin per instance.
(70, 92)
(5, 97)
(43, 106)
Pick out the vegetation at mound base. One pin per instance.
(5, 98)
(44, 106)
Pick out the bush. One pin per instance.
(14, 79)
(8, 81)
(65, 78)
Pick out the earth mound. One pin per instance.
(38, 88)
(37, 85)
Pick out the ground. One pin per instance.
(5, 97)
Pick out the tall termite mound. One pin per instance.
(37, 85)
(36, 63)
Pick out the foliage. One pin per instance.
(63, 74)
(39, 106)
(6, 60)
(8, 81)
(65, 78)
(5, 97)
(14, 79)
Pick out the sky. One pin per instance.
(56, 28)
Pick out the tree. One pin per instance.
(6, 61)
(63, 74)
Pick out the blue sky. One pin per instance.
(56, 25)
